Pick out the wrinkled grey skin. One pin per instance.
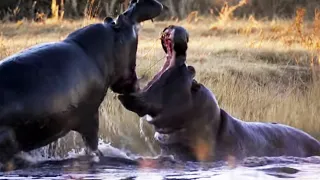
(190, 125)
(51, 89)
(186, 121)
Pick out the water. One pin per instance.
(119, 165)
(127, 143)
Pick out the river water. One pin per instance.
(131, 153)
(116, 164)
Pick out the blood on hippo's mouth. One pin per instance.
(167, 41)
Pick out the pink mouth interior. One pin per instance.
(170, 58)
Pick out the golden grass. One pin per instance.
(226, 13)
(254, 78)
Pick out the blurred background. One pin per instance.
(14, 10)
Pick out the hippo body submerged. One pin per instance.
(244, 139)
(52, 88)
(201, 131)
(190, 125)
(221, 136)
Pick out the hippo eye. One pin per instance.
(171, 27)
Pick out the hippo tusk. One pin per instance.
(148, 118)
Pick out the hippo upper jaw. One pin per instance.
(143, 10)
(174, 41)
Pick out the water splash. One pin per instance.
(48, 153)
(108, 150)
(143, 134)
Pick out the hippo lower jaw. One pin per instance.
(170, 138)
(135, 102)
(162, 130)
(167, 44)
(166, 136)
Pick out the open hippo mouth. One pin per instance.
(167, 42)
(157, 99)
(174, 41)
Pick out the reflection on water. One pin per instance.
(81, 170)
(117, 165)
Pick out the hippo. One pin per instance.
(53, 88)
(190, 125)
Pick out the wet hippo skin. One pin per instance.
(190, 125)
(49, 89)
(202, 131)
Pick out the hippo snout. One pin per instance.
(152, 9)
(143, 10)
(126, 85)
(133, 103)
(140, 104)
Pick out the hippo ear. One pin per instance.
(108, 20)
(195, 86)
(192, 71)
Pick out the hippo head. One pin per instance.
(174, 41)
(138, 11)
(142, 10)
(169, 92)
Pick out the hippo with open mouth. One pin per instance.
(53, 88)
(190, 125)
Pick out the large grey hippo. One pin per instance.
(50, 89)
(190, 125)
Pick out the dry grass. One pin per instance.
(254, 78)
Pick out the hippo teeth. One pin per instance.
(148, 118)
